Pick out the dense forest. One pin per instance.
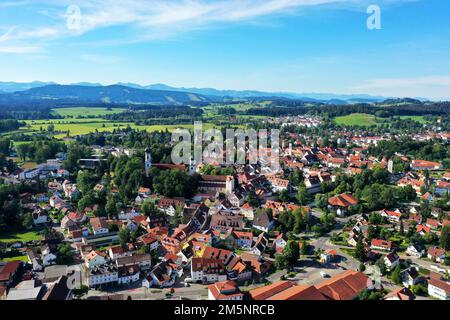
(382, 110)
(9, 125)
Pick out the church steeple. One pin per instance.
(148, 160)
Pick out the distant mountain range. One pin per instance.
(158, 94)
(114, 94)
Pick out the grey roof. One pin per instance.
(53, 273)
(25, 293)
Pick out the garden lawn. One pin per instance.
(21, 258)
(24, 236)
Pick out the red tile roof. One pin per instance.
(343, 200)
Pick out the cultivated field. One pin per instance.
(86, 112)
(357, 119)
(366, 120)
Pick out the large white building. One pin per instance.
(103, 274)
(439, 289)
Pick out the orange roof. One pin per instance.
(224, 290)
(392, 213)
(381, 243)
(345, 286)
(266, 292)
(300, 292)
(421, 227)
(343, 200)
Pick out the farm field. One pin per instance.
(85, 112)
(365, 120)
(357, 119)
(420, 119)
(80, 128)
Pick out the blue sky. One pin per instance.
(274, 45)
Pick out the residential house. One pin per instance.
(425, 165)
(59, 291)
(163, 275)
(438, 288)
(432, 223)
(279, 184)
(99, 226)
(223, 220)
(410, 277)
(442, 187)
(143, 260)
(150, 240)
(260, 244)
(263, 221)
(128, 214)
(8, 271)
(247, 211)
(279, 243)
(224, 290)
(117, 252)
(328, 256)
(391, 260)
(236, 198)
(379, 244)
(436, 254)
(341, 203)
(393, 216)
(415, 250)
(95, 258)
(39, 217)
(128, 274)
(102, 274)
(242, 239)
(207, 270)
(422, 229)
(403, 294)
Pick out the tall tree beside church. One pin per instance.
(360, 251)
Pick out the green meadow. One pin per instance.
(357, 119)
(85, 112)
(366, 120)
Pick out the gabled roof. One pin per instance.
(441, 284)
(343, 200)
(345, 286)
(224, 290)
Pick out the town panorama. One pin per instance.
(113, 190)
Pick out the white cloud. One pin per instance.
(157, 16)
(433, 87)
(8, 4)
(20, 49)
(156, 19)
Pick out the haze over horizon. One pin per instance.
(290, 46)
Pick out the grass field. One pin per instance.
(24, 236)
(420, 119)
(21, 258)
(84, 127)
(85, 112)
(357, 119)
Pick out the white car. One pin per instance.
(324, 274)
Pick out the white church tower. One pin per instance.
(148, 161)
